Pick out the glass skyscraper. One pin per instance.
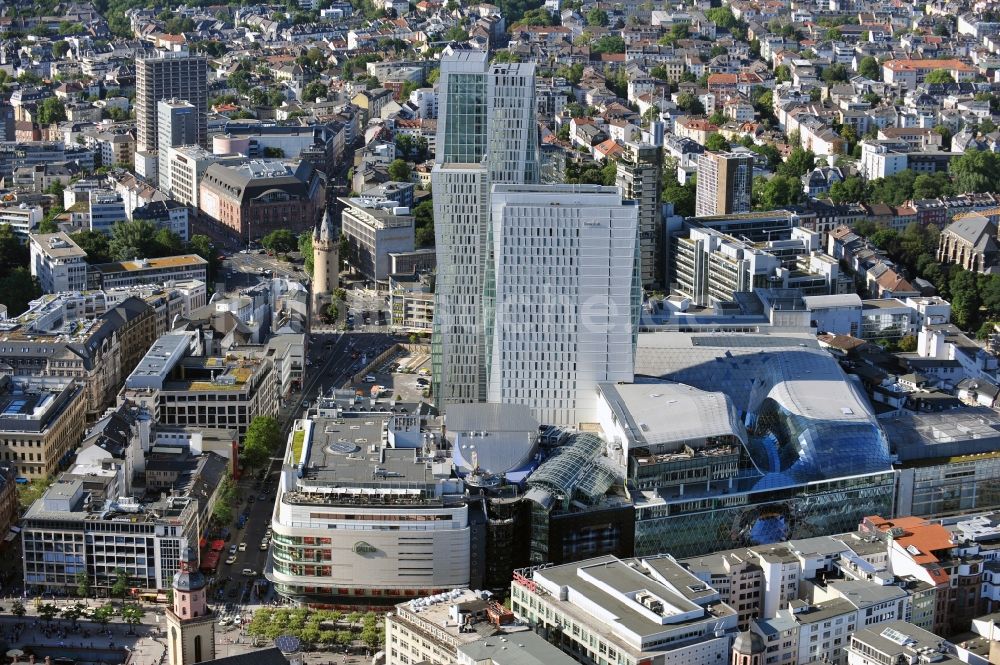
(486, 135)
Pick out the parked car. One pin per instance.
(243, 547)
(249, 572)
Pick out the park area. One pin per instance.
(319, 628)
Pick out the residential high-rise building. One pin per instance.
(177, 124)
(640, 177)
(166, 75)
(561, 297)
(724, 184)
(486, 135)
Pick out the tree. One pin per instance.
(132, 240)
(51, 110)
(122, 583)
(261, 440)
(608, 44)
(132, 615)
(332, 312)
(777, 192)
(976, 171)
(722, 17)
(314, 90)
(305, 243)
(835, 73)
(597, 17)
(60, 48)
(869, 68)
(222, 511)
(853, 189)
(690, 104)
(73, 612)
(281, 241)
(202, 246)
(716, 143)
(17, 609)
(13, 254)
(682, 196)
(102, 615)
(19, 288)
(399, 171)
(799, 163)
(939, 76)
(166, 243)
(782, 74)
(984, 331)
(48, 611)
(423, 222)
(456, 33)
(82, 584)
(965, 300)
(535, 17)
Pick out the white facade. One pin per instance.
(58, 263)
(372, 526)
(177, 124)
(486, 135)
(106, 209)
(566, 295)
(21, 218)
(880, 161)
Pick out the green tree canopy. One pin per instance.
(716, 143)
(51, 110)
(976, 171)
(399, 170)
(261, 441)
(869, 68)
(597, 17)
(939, 76)
(281, 241)
(799, 163)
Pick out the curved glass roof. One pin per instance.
(576, 466)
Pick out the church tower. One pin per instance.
(326, 262)
(190, 624)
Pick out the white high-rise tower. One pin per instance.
(564, 297)
(486, 135)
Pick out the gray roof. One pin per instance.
(977, 231)
(522, 648)
(491, 418)
(950, 433)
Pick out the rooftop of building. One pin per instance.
(905, 642)
(57, 245)
(160, 263)
(630, 593)
(29, 406)
(461, 613)
(82, 508)
(662, 413)
(522, 648)
(348, 460)
(943, 436)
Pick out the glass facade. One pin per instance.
(756, 518)
(807, 457)
(465, 133)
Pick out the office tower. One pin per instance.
(166, 75)
(640, 177)
(177, 124)
(486, 134)
(562, 297)
(724, 184)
